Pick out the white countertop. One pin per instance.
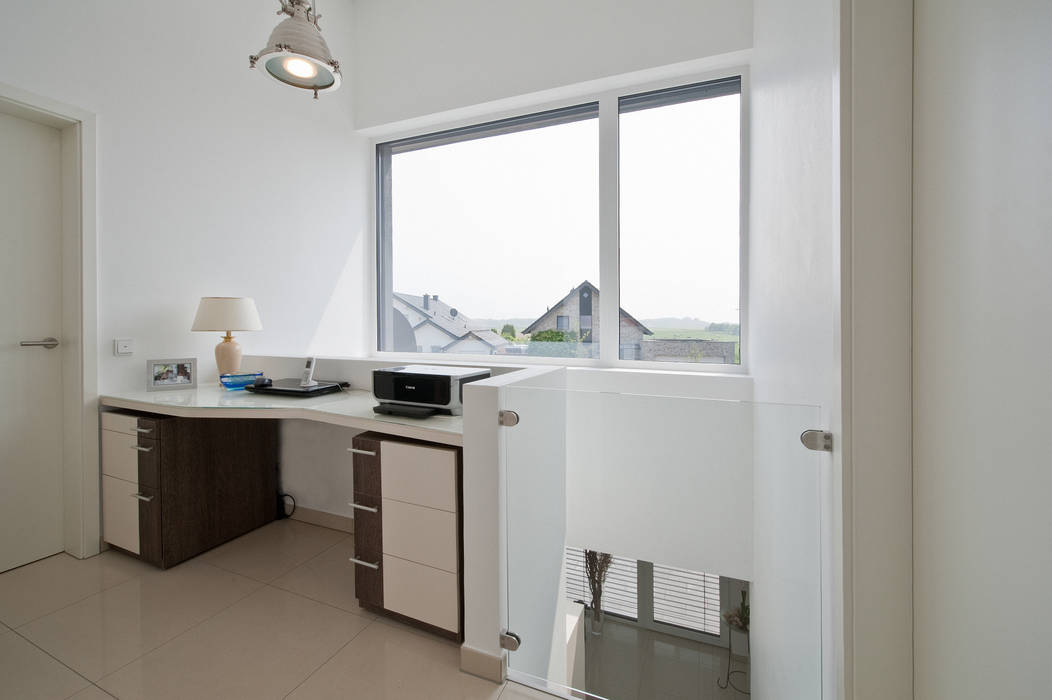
(352, 408)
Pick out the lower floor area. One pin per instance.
(626, 662)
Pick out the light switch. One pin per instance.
(123, 346)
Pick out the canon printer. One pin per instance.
(423, 390)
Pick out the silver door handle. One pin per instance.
(356, 451)
(141, 449)
(144, 430)
(141, 497)
(365, 563)
(48, 343)
(366, 508)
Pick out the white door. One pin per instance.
(30, 310)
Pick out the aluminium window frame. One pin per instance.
(609, 223)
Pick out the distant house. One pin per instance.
(439, 327)
(478, 342)
(578, 312)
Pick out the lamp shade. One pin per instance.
(227, 314)
(296, 54)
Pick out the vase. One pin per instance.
(597, 621)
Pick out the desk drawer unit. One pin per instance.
(407, 531)
(175, 487)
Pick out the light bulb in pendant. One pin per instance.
(300, 68)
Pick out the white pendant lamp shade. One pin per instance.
(296, 54)
(227, 314)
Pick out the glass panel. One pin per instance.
(493, 241)
(679, 232)
(697, 501)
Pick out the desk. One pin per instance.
(204, 470)
(352, 408)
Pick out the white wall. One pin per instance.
(211, 180)
(982, 217)
(414, 57)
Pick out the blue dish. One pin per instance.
(237, 382)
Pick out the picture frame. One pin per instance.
(167, 375)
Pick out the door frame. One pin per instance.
(79, 328)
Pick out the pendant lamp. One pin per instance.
(296, 54)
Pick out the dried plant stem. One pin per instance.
(596, 565)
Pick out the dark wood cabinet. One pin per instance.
(197, 482)
(368, 537)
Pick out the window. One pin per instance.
(489, 236)
(687, 600)
(680, 198)
(619, 591)
(488, 227)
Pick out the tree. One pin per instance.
(508, 331)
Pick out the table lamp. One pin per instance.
(227, 314)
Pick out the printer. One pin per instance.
(423, 390)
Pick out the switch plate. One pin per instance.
(123, 346)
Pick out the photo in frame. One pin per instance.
(164, 375)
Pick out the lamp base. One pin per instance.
(228, 355)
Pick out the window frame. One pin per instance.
(609, 225)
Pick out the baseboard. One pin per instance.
(323, 519)
(479, 663)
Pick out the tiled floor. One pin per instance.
(269, 615)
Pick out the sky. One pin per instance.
(505, 226)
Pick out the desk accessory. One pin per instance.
(238, 381)
(406, 389)
(164, 375)
(308, 374)
(227, 314)
(292, 387)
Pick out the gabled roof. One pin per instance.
(595, 293)
(494, 340)
(429, 322)
(439, 313)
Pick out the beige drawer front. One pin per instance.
(424, 535)
(119, 458)
(120, 513)
(119, 422)
(422, 593)
(426, 476)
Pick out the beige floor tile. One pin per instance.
(392, 662)
(27, 673)
(36, 589)
(92, 693)
(273, 550)
(514, 691)
(261, 647)
(103, 632)
(327, 578)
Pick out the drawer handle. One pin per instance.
(356, 451)
(144, 430)
(365, 508)
(141, 449)
(359, 562)
(141, 497)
